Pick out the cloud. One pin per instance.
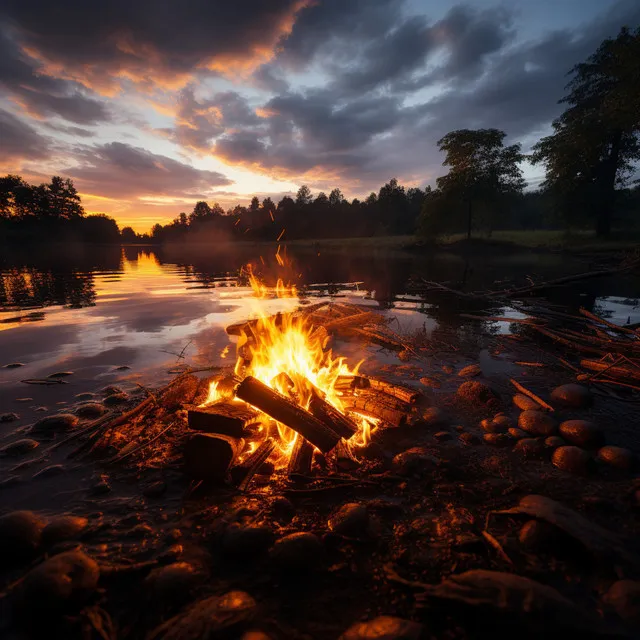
(118, 170)
(19, 140)
(146, 41)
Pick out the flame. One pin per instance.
(261, 290)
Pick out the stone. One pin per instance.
(530, 448)
(13, 365)
(57, 422)
(91, 410)
(624, 597)
(24, 399)
(61, 584)
(155, 489)
(582, 433)
(51, 471)
(572, 460)
(617, 457)
(434, 417)
(471, 371)
(175, 581)
(19, 447)
(116, 399)
(553, 442)
(298, 553)
(498, 424)
(497, 439)
(100, 488)
(239, 542)
(351, 520)
(442, 436)
(63, 528)
(414, 461)
(255, 634)
(384, 628)
(431, 382)
(503, 421)
(20, 535)
(85, 396)
(573, 396)
(468, 439)
(9, 417)
(525, 403)
(60, 374)
(518, 434)
(122, 367)
(477, 393)
(537, 535)
(537, 423)
(282, 508)
(111, 390)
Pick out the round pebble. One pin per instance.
(477, 393)
(298, 553)
(617, 457)
(63, 528)
(525, 403)
(116, 399)
(553, 442)
(431, 382)
(58, 422)
(442, 436)
(51, 471)
(13, 365)
(90, 410)
(434, 417)
(351, 520)
(518, 434)
(624, 597)
(529, 447)
(20, 535)
(537, 423)
(582, 433)
(19, 447)
(9, 417)
(246, 542)
(497, 439)
(174, 581)
(573, 396)
(572, 460)
(111, 390)
(468, 439)
(85, 396)
(414, 461)
(384, 628)
(472, 371)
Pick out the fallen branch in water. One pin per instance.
(531, 395)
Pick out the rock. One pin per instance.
(60, 584)
(431, 382)
(351, 520)
(255, 634)
(100, 488)
(414, 461)
(434, 417)
(498, 424)
(617, 457)
(472, 371)
(574, 396)
(63, 528)
(41, 409)
(536, 535)
(155, 489)
(477, 393)
(624, 597)
(537, 423)
(174, 581)
(20, 535)
(518, 434)
(582, 433)
(241, 542)
(91, 410)
(553, 442)
(85, 396)
(468, 439)
(9, 417)
(530, 448)
(116, 399)
(525, 403)
(111, 390)
(122, 367)
(13, 365)
(572, 459)
(223, 616)
(442, 436)
(19, 447)
(298, 553)
(51, 471)
(497, 439)
(24, 399)
(60, 374)
(282, 508)
(58, 422)
(384, 628)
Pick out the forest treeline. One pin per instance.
(589, 159)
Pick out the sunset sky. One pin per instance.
(149, 106)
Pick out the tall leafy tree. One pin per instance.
(596, 140)
(63, 200)
(201, 211)
(336, 198)
(483, 173)
(303, 197)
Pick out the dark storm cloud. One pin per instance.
(118, 170)
(18, 140)
(145, 39)
(22, 80)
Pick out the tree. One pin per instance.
(128, 235)
(321, 200)
(596, 140)
(255, 204)
(336, 198)
(63, 199)
(482, 171)
(303, 197)
(269, 207)
(200, 212)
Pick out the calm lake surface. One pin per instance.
(97, 310)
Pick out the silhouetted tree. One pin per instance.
(303, 197)
(128, 235)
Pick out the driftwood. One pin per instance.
(226, 417)
(285, 411)
(373, 406)
(531, 395)
(329, 415)
(243, 473)
(208, 456)
(615, 371)
(349, 322)
(301, 458)
(606, 323)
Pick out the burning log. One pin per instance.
(373, 406)
(225, 417)
(345, 460)
(327, 413)
(249, 327)
(301, 458)
(243, 473)
(285, 411)
(405, 394)
(208, 456)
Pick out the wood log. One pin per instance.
(617, 371)
(286, 412)
(606, 323)
(301, 458)
(360, 319)
(248, 327)
(401, 392)
(329, 415)
(374, 407)
(208, 456)
(243, 473)
(225, 417)
(345, 460)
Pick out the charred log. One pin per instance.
(301, 458)
(209, 456)
(243, 473)
(327, 413)
(285, 411)
(373, 406)
(345, 460)
(225, 417)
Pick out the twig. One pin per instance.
(497, 547)
(531, 395)
(142, 445)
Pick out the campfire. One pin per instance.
(290, 399)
